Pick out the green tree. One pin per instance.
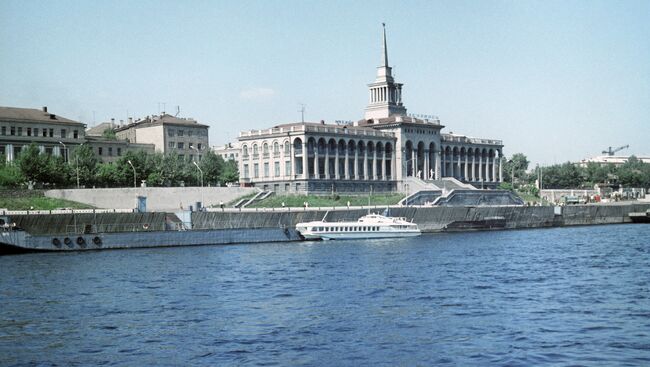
(33, 165)
(212, 166)
(85, 163)
(230, 172)
(109, 134)
(519, 162)
(10, 175)
(106, 175)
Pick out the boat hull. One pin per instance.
(22, 241)
(358, 236)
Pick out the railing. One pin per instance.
(465, 139)
(319, 129)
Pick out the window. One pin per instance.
(245, 171)
(198, 146)
(256, 170)
(191, 157)
(244, 151)
(110, 151)
(180, 145)
(12, 131)
(20, 131)
(100, 151)
(276, 148)
(181, 156)
(3, 131)
(266, 169)
(255, 152)
(119, 152)
(266, 149)
(170, 132)
(189, 133)
(180, 132)
(75, 134)
(171, 145)
(287, 147)
(44, 133)
(51, 133)
(276, 169)
(63, 133)
(35, 131)
(29, 131)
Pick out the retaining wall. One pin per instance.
(158, 198)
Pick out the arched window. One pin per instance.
(265, 148)
(244, 151)
(276, 148)
(255, 151)
(287, 147)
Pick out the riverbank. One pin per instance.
(95, 229)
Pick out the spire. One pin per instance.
(385, 48)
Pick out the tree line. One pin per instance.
(633, 173)
(84, 167)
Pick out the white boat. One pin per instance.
(368, 226)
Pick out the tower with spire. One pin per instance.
(385, 98)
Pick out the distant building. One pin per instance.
(169, 134)
(616, 160)
(110, 150)
(377, 153)
(229, 152)
(53, 134)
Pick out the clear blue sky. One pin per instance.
(556, 80)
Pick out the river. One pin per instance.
(561, 296)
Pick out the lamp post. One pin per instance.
(134, 174)
(200, 171)
(65, 152)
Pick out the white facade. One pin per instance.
(375, 154)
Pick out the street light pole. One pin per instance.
(65, 152)
(134, 174)
(200, 171)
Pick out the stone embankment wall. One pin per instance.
(431, 219)
(158, 198)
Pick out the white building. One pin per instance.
(376, 153)
(169, 134)
(616, 160)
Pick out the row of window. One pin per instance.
(100, 151)
(46, 133)
(346, 229)
(265, 149)
(276, 170)
(181, 145)
(421, 131)
(179, 132)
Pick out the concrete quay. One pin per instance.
(100, 230)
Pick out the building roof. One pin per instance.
(398, 120)
(99, 129)
(614, 159)
(33, 115)
(164, 119)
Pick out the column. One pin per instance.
(480, 167)
(327, 161)
(436, 158)
(347, 163)
(425, 174)
(466, 167)
(474, 167)
(458, 165)
(414, 169)
(375, 176)
(500, 169)
(336, 163)
(305, 166)
(443, 171)
(365, 164)
(356, 163)
(494, 169)
(316, 164)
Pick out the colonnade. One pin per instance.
(466, 164)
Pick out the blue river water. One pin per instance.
(562, 296)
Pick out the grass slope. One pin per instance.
(275, 201)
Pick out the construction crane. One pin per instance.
(610, 152)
